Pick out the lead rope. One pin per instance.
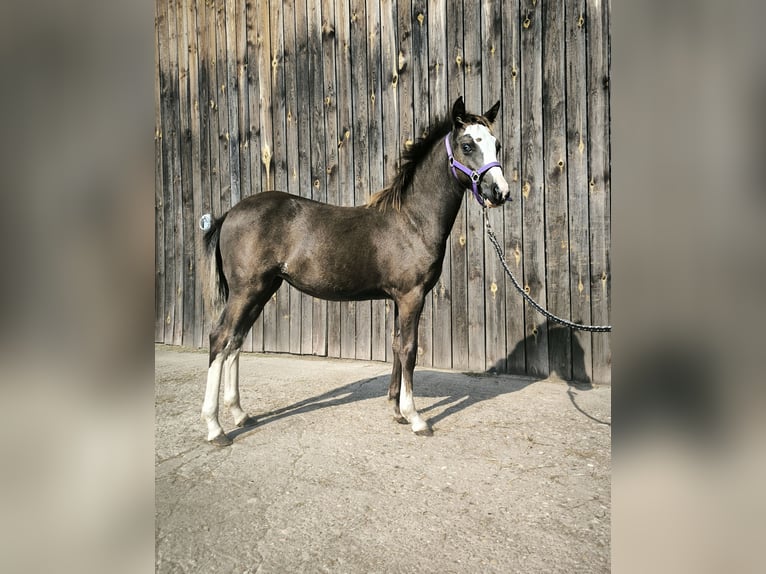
(535, 304)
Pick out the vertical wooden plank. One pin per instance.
(253, 40)
(421, 123)
(344, 67)
(317, 343)
(439, 106)
(168, 98)
(223, 193)
(264, 57)
(193, 194)
(238, 31)
(406, 67)
(292, 141)
(360, 137)
(279, 158)
(186, 185)
(577, 175)
(556, 209)
(515, 361)
(494, 284)
(303, 303)
(232, 96)
(209, 102)
(475, 226)
(176, 133)
(332, 179)
(246, 135)
(223, 107)
(204, 165)
(391, 143)
(159, 212)
(458, 238)
(243, 110)
(532, 186)
(243, 75)
(600, 183)
(406, 96)
(378, 339)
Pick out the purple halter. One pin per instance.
(475, 175)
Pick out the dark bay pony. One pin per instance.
(391, 248)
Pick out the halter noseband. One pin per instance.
(474, 175)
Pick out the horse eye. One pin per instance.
(467, 148)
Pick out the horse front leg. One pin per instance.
(395, 386)
(408, 356)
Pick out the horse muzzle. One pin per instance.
(499, 191)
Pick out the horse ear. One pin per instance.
(458, 110)
(491, 113)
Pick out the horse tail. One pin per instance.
(216, 287)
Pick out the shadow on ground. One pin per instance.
(456, 391)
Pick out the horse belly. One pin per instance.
(334, 280)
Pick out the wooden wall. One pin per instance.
(317, 98)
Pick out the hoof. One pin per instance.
(428, 431)
(247, 422)
(401, 420)
(221, 440)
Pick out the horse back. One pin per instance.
(331, 252)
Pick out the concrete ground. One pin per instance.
(515, 479)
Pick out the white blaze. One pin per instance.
(487, 143)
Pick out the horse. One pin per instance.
(391, 248)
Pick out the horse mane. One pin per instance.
(412, 156)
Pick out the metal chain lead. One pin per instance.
(535, 304)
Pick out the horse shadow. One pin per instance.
(456, 391)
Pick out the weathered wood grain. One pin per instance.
(439, 107)
(253, 40)
(317, 98)
(168, 102)
(375, 82)
(177, 147)
(332, 180)
(494, 280)
(458, 237)
(159, 211)
(193, 209)
(477, 357)
(280, 152)
(421, 123)
(577, 175)
(361, 140)
(554, 166)
(346, 120)
(515, 360)
(599, 184)
(391, 140)
(532, 189)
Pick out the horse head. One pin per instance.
(472, 150)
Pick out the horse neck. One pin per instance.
(434, 198)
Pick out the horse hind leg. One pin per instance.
(231, 391)
(215, 433)
(225, 343)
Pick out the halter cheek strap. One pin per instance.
(474, 175)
